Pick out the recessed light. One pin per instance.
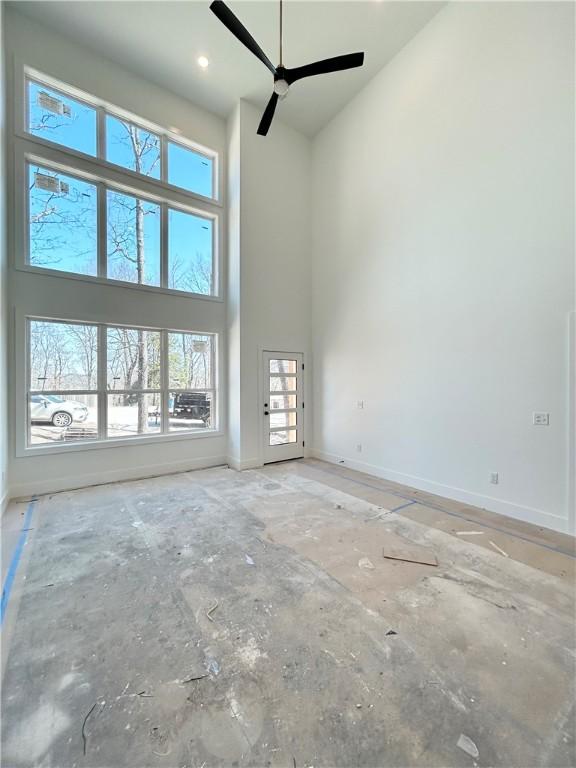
(203, 62)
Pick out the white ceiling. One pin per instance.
(162, 39)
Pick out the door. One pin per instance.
(283, 406)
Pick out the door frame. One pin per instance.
(262, 418)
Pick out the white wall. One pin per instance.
(443, 273)
(270, 267)
(3, 283)
(60, 297)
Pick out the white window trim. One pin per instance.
(25, 449)
(29, 148)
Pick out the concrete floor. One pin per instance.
(217, 618)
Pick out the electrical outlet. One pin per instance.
(540, 419)
(359, 447)
(360, 404)
(494, 478)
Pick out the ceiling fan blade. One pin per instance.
(268, 115)
(336, 64)
(230, 21)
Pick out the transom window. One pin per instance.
(89, 382)
(84, 220)
(56, 116)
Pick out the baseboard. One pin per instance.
(500, 507)
(53, 485)
(4, 499)
(239, 465)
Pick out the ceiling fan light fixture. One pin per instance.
(281, 88)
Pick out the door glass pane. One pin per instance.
(62, 418)
(190, 246)
(190, 360)
(62, 356)
(132, 147)
(282, 401)
(133, 358)
(282, 419)
(190, 170)
(133, 413)
(133, 239)
(57, 117)
(190, 410)
(282, 366)
(282, 438)
(62, 222)
(282, 383)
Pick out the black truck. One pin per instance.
(192, 405)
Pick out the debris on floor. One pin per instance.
(366, 564)
(498, 549)
(469, 533)
(249, 560)
(211, 610)
(467, 745)
(419, 555)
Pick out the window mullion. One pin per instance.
(101, 133)
(101, 383)
(164, 381)
(164, 245)
(101, 245)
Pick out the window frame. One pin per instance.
(24, 445)
(102, 108)
(104, 185)
(31, 149)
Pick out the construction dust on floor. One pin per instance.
(285, 617)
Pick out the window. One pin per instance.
(132, 147)
(91, 382)
(190, 170)
(63, 235)
(126, 214)
(133, 247)
(62, 222)
(190, 252)
(57, 117)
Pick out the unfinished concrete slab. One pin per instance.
(219, 618)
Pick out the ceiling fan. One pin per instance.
(283, 77)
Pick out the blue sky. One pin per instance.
(63, 222)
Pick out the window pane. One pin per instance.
(190, 170)
(62, 226)
(282, 366)
(190, 361)
(282, 383)
(62, 418)
(282, 401)
(133, 414)
(133, 359)
(189, 252)
(190, 410)
(132, 147)
(282, 420)
(55, 116)
(133, 239)
(282, 438)
(62, 356)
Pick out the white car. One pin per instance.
(56, 410)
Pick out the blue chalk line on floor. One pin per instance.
(10, 576)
